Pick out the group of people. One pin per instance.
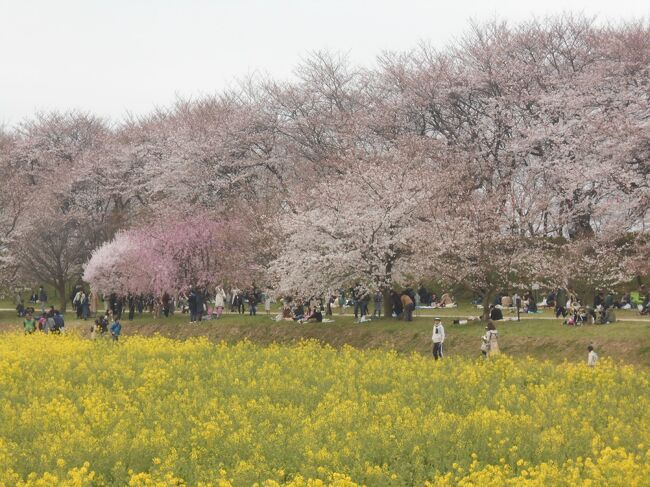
(489, 342)
(105, 325)
(50, 321)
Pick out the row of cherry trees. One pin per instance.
(518, 155)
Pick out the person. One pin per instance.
(446, 300)
(286, 313)
(219, 301)
(59, 322)
(407, 304)
(29, 324)
(592, 357)
(491, 340)
(85, 306)
(560, 302)
(42, 298)
(116, 329)
(192, 302)
(495, 313)
(252, 301)
(131, 301)
(341, 302)
(438, 337)
(398, 308)
(506, 302)
(267, 305)
(377, 299)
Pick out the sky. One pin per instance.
(119, 57)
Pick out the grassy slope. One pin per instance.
(540, 336)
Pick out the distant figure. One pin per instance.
(116, 329)
(408, 306)
(495, 313)
(592, 357)
(29, 324)
(490, 339)
(42, 298)
(438, 338)
(219, 301)
(446, 300)
(267, 305)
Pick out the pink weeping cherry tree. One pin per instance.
(172, 254)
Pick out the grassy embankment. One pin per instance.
(539, 336)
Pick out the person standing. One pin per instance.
(592, 357)
(252, 301)
(192, 304)
(219, 300)
(116, 329)
(378, 299)
(491, 340)
(438, 338)
(42, 298)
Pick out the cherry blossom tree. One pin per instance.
(173, 253)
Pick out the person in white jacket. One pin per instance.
(592, 357)
(438, 338)
(219, 300)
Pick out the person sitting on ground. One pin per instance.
(59, 322)
(446, 300)
(29, 324)
(299, 312)
(495, 313)
(286, 313)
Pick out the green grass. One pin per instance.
(540, 336)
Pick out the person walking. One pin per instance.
(438, 338)
(490, 339)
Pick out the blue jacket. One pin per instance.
(116, 328)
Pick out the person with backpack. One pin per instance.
(438, 338)
(490, 345)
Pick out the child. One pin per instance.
(29, 323)
(116, 329)
(592, 357)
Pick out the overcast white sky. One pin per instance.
(114, 56)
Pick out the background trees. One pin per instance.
(503, 157)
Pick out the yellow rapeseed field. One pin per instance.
(154, 411)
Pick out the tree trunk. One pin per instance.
(487, 300)
(60, 288)
(388, 303)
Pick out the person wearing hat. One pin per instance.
(438, 337)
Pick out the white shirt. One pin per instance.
(592, 358)
(438, 335)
